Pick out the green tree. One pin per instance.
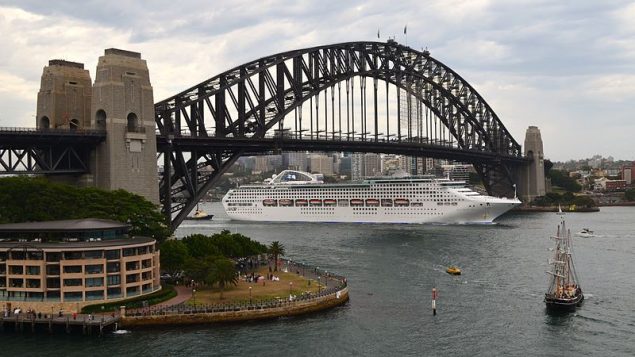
(223, 273)
(26, 199)
(174, 254)
(562, 179)
(276, 249)
(199, 245)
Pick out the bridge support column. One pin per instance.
(63, 102)
(532, 176)
(123, 105)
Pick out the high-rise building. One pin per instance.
(295, 161)
(372, 165)
(320, 163)
(357, 166)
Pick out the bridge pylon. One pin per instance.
(123, 106)
(532, 180)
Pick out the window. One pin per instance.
(16, 269)
(72, 269)
(113, 280)
(73, 296)
(94, 269)
(114, 293)
(132, 278)
(33, 283)
(113, 267)
(112, 254)
(92, 282)
(52, 270)
(95, 295)
(33, 270)
(132, 265)
(72, 282)
(132, 291)
(100, 120)
(53, 283)
(72, 255)
(94, 254)
(53, 257)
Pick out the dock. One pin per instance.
(87, 324)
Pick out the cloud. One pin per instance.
(559, 65)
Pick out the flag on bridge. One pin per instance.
(377, 33)
(405, 29)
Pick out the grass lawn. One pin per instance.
(268, 291)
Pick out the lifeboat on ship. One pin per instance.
(285, 202)
(357, 202)
(372, 202)
(401, 202)
(301, 203)
(330, 202)
(269, 203)
(315, 202)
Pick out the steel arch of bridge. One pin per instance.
(215, 122)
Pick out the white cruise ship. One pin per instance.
(294, 196)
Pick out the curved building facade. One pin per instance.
(77, 262)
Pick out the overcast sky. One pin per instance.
(567, 67)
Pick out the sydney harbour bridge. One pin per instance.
(348, 97)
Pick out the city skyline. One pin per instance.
(564, 68)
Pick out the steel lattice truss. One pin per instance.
(51, 151)
(233, 114)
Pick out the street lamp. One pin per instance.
(194, 296)
(319, 285)
(290, 287)
(250, 295)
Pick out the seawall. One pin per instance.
(235, 314)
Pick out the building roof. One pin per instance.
(70, 225)
(74, 245)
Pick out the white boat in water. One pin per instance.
(295, 196)
(585, 233)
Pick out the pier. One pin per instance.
(87, 324)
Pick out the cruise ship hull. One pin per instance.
(405, 200)
(453, 215)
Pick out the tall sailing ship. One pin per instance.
(295, 196)
(564, 291)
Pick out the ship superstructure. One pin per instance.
(296, 196)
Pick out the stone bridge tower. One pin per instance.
(64, 98)
(123, 105)
(532, 182)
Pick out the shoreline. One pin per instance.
(224, 314)
(523, 209)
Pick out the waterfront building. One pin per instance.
(627, 173)
(76, 262)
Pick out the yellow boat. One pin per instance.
(453, 270)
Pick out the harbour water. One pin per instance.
(495, 308)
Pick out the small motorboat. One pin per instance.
(200, 215)
(585, 233)
(453, 270)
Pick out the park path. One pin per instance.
(183, 293)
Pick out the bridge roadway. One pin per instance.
(259, 146)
